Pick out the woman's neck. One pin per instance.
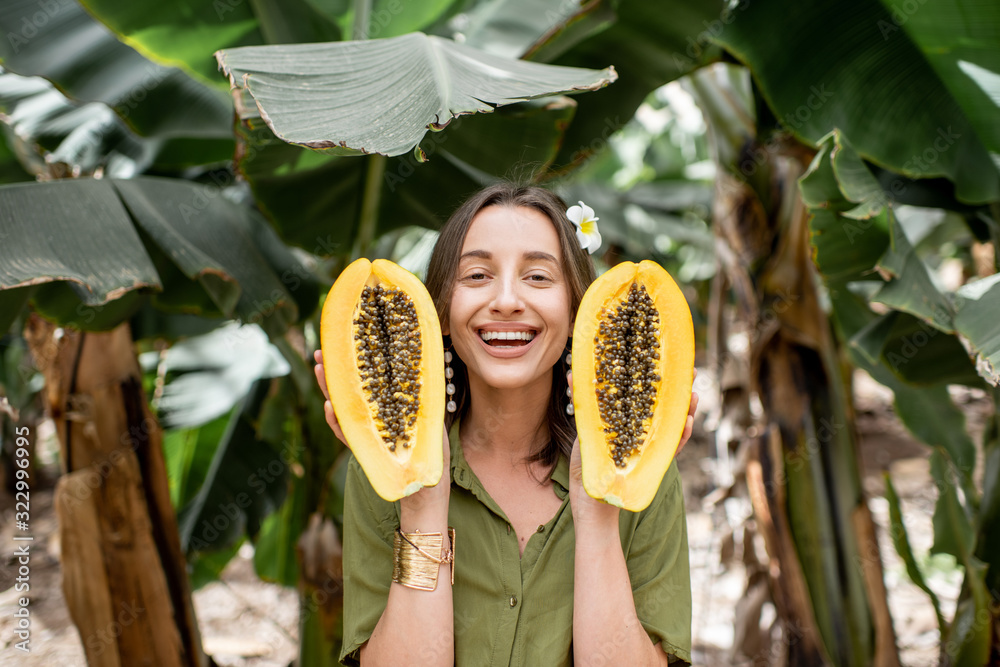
(507, 422)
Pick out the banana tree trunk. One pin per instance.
(124, 575)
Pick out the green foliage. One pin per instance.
(98, 248)
(913, 350)
(206, 375)
(11, 170)
(900, 539)
(275, 558)
(975, 302)
(864, 255)
(387, 18)
(188, 453)
(313, 199)
(246, 481)
(204, 568)
(988, 525)
(382, 96)
(160, 110)
(857, 72)
(970, 635)
(963, 55)
(649, 44)
(186, 33)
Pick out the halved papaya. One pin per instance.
(384, 363)
(633, 365)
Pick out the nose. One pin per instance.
(507, 299)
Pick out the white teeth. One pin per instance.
(506, 335)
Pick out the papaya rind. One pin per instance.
(633, 487)
(393, 475)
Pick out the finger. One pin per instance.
(694, 404)
(688, 429)
(331, 419)
(695, 373)
(318, 356)
(321, 379)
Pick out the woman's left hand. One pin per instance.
(581, 502)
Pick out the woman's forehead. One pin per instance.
(512, 231)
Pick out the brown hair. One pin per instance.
(577, 268)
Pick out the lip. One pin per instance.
(507, 352)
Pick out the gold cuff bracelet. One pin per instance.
(413, 564)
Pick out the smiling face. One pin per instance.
(509, 316)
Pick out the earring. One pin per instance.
(450, 388)
(569, 390)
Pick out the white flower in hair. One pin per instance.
(583, 219)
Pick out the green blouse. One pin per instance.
(512, 609)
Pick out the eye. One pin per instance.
(538, 277)
(476, 276)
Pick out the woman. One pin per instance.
(543, 574)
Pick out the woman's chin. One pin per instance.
(510, 379)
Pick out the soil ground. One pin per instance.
(248, 623)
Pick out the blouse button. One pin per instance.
(541, 528)
(513, 601)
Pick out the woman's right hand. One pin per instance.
(331, 417)
(426, 496)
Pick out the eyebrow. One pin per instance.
(534, 255)
(538, 254)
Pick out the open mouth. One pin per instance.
(507, 338)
